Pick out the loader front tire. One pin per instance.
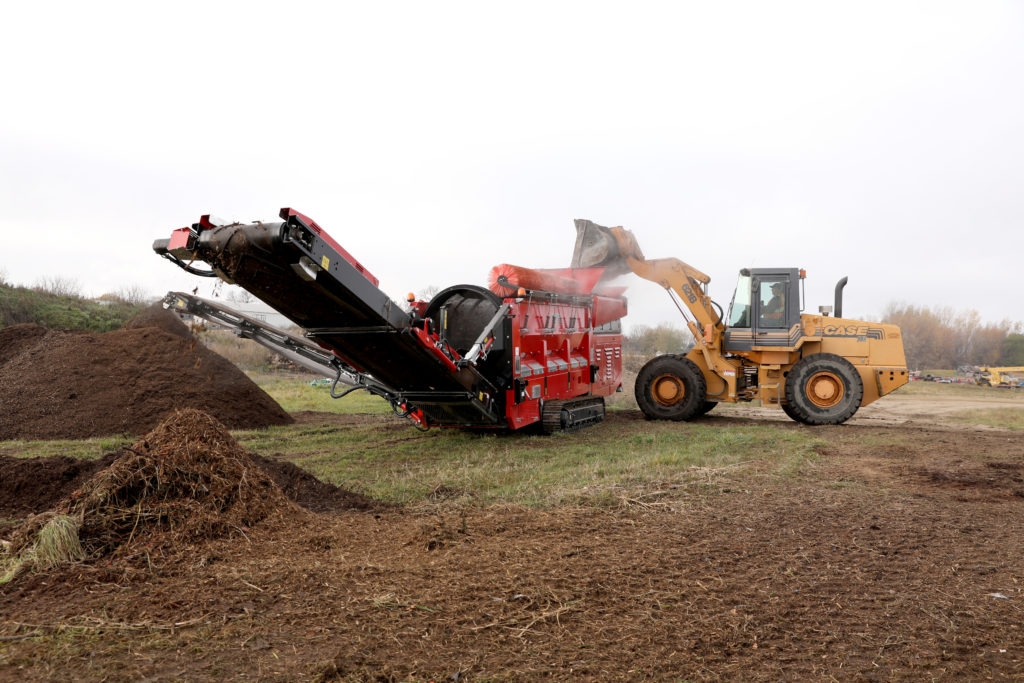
(707, 407)
(823, 389)
(671, 388)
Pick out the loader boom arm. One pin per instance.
(676, 276)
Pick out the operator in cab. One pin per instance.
(775, 307)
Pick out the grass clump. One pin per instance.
(53, 545)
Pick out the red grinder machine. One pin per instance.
(537, 347)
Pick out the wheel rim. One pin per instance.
(667, 390)
(825, 389)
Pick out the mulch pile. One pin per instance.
(188, 477)
(74, 385)
(35, 485)
(187, 480)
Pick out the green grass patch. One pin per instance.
(295, 393)
(1010, 418)
(24, 305)
(394, 463)
(87, 449)
(966, 391)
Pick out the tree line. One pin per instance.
(944, 338)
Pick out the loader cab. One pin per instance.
(765, 309)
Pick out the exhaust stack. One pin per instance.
(839, 296)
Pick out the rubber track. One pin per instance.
(551, 419)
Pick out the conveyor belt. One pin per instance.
(300, 271)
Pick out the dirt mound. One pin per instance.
(32, 485)
(311, 493)
(158, 316)
(17, 338)
(79, 385)
(187, 480)
(35, 485)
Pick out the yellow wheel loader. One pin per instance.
(818, 368)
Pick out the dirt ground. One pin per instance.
(897, 554)
(907, 410)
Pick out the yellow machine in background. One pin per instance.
(819, 369)
(991, 376)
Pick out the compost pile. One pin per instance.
(72, 385)
(158, 316)
(17, 338)
(184, 482)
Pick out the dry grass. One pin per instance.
(1009, 418)
(244, 353)
(55, 544)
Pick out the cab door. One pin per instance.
(775, 304)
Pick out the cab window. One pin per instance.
(739, 310)
(772, 294)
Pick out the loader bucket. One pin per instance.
(595, 245)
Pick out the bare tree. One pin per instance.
(59, 285)
(942, 338)
(133, 294)
(663, 338)
(240, 296)
(428, 292)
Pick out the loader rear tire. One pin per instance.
(671, 388)
(823, 389)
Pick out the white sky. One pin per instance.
(882, 141)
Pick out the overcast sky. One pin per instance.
(433, 140)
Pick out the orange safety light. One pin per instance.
(521, 292)
(803, 273)
(410, 297)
